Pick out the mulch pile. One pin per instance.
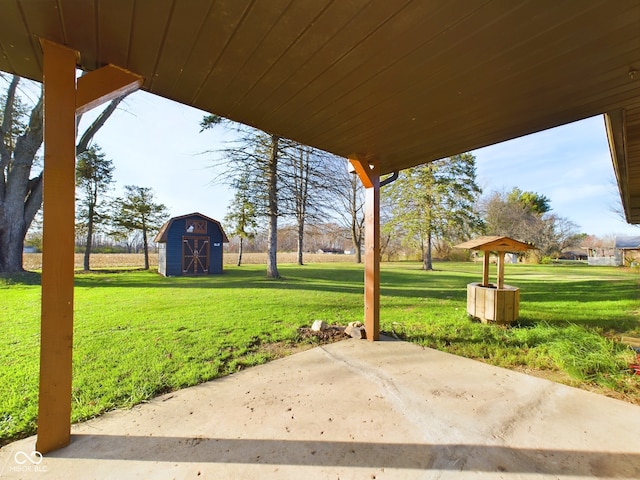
(333, 333)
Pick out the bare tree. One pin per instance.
(272, 206)
(520, 217)
(348, 194)
(255, 154)
(306, 177)
(283, 178)
(21, 175)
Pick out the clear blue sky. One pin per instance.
(156, 143)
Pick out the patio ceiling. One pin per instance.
(404, 82)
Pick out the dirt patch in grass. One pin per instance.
(333, 333)
(305, 340)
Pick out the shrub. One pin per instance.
(459, 255)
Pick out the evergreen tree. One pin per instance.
(94, 176)
(532, 202)
(435, 200)
(136, 211)
(241, 213)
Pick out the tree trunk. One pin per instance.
(272, 178)
(356, 229)
(87, 249)
(356, 236)
(357, 246)
(300, 241)
(427, 263)
(145, 245)
(12, 232)
(240, 252)
(302, 198)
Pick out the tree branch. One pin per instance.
(34, 199)
(7, 119)
(89, 133)
(29, 143)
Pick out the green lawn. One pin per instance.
(138, 334)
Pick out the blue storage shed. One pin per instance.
(190, 245)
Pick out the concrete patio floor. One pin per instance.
(354, 409)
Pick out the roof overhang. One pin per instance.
(397, 81)
(624, 146)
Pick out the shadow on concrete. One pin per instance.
(455, 457)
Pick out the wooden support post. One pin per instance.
(500, 269)
(369, 174)
(62, 99)
(485, 267)
(372, 260)
(56, 336)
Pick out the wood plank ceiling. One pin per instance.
(403, 81)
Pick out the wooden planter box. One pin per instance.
(492, 304)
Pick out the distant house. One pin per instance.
(331, 251)
(573, 255)
(626, 249)
(190, 245)
(629, 248)
(604, 257)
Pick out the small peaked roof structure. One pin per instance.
(496, 244)
(628, 242)
(162, 234)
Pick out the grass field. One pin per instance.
(138, 334)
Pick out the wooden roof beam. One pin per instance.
(103, 85)
(363, 167)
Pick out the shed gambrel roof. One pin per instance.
(496, 244)
(402, 82)
(161, 237)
